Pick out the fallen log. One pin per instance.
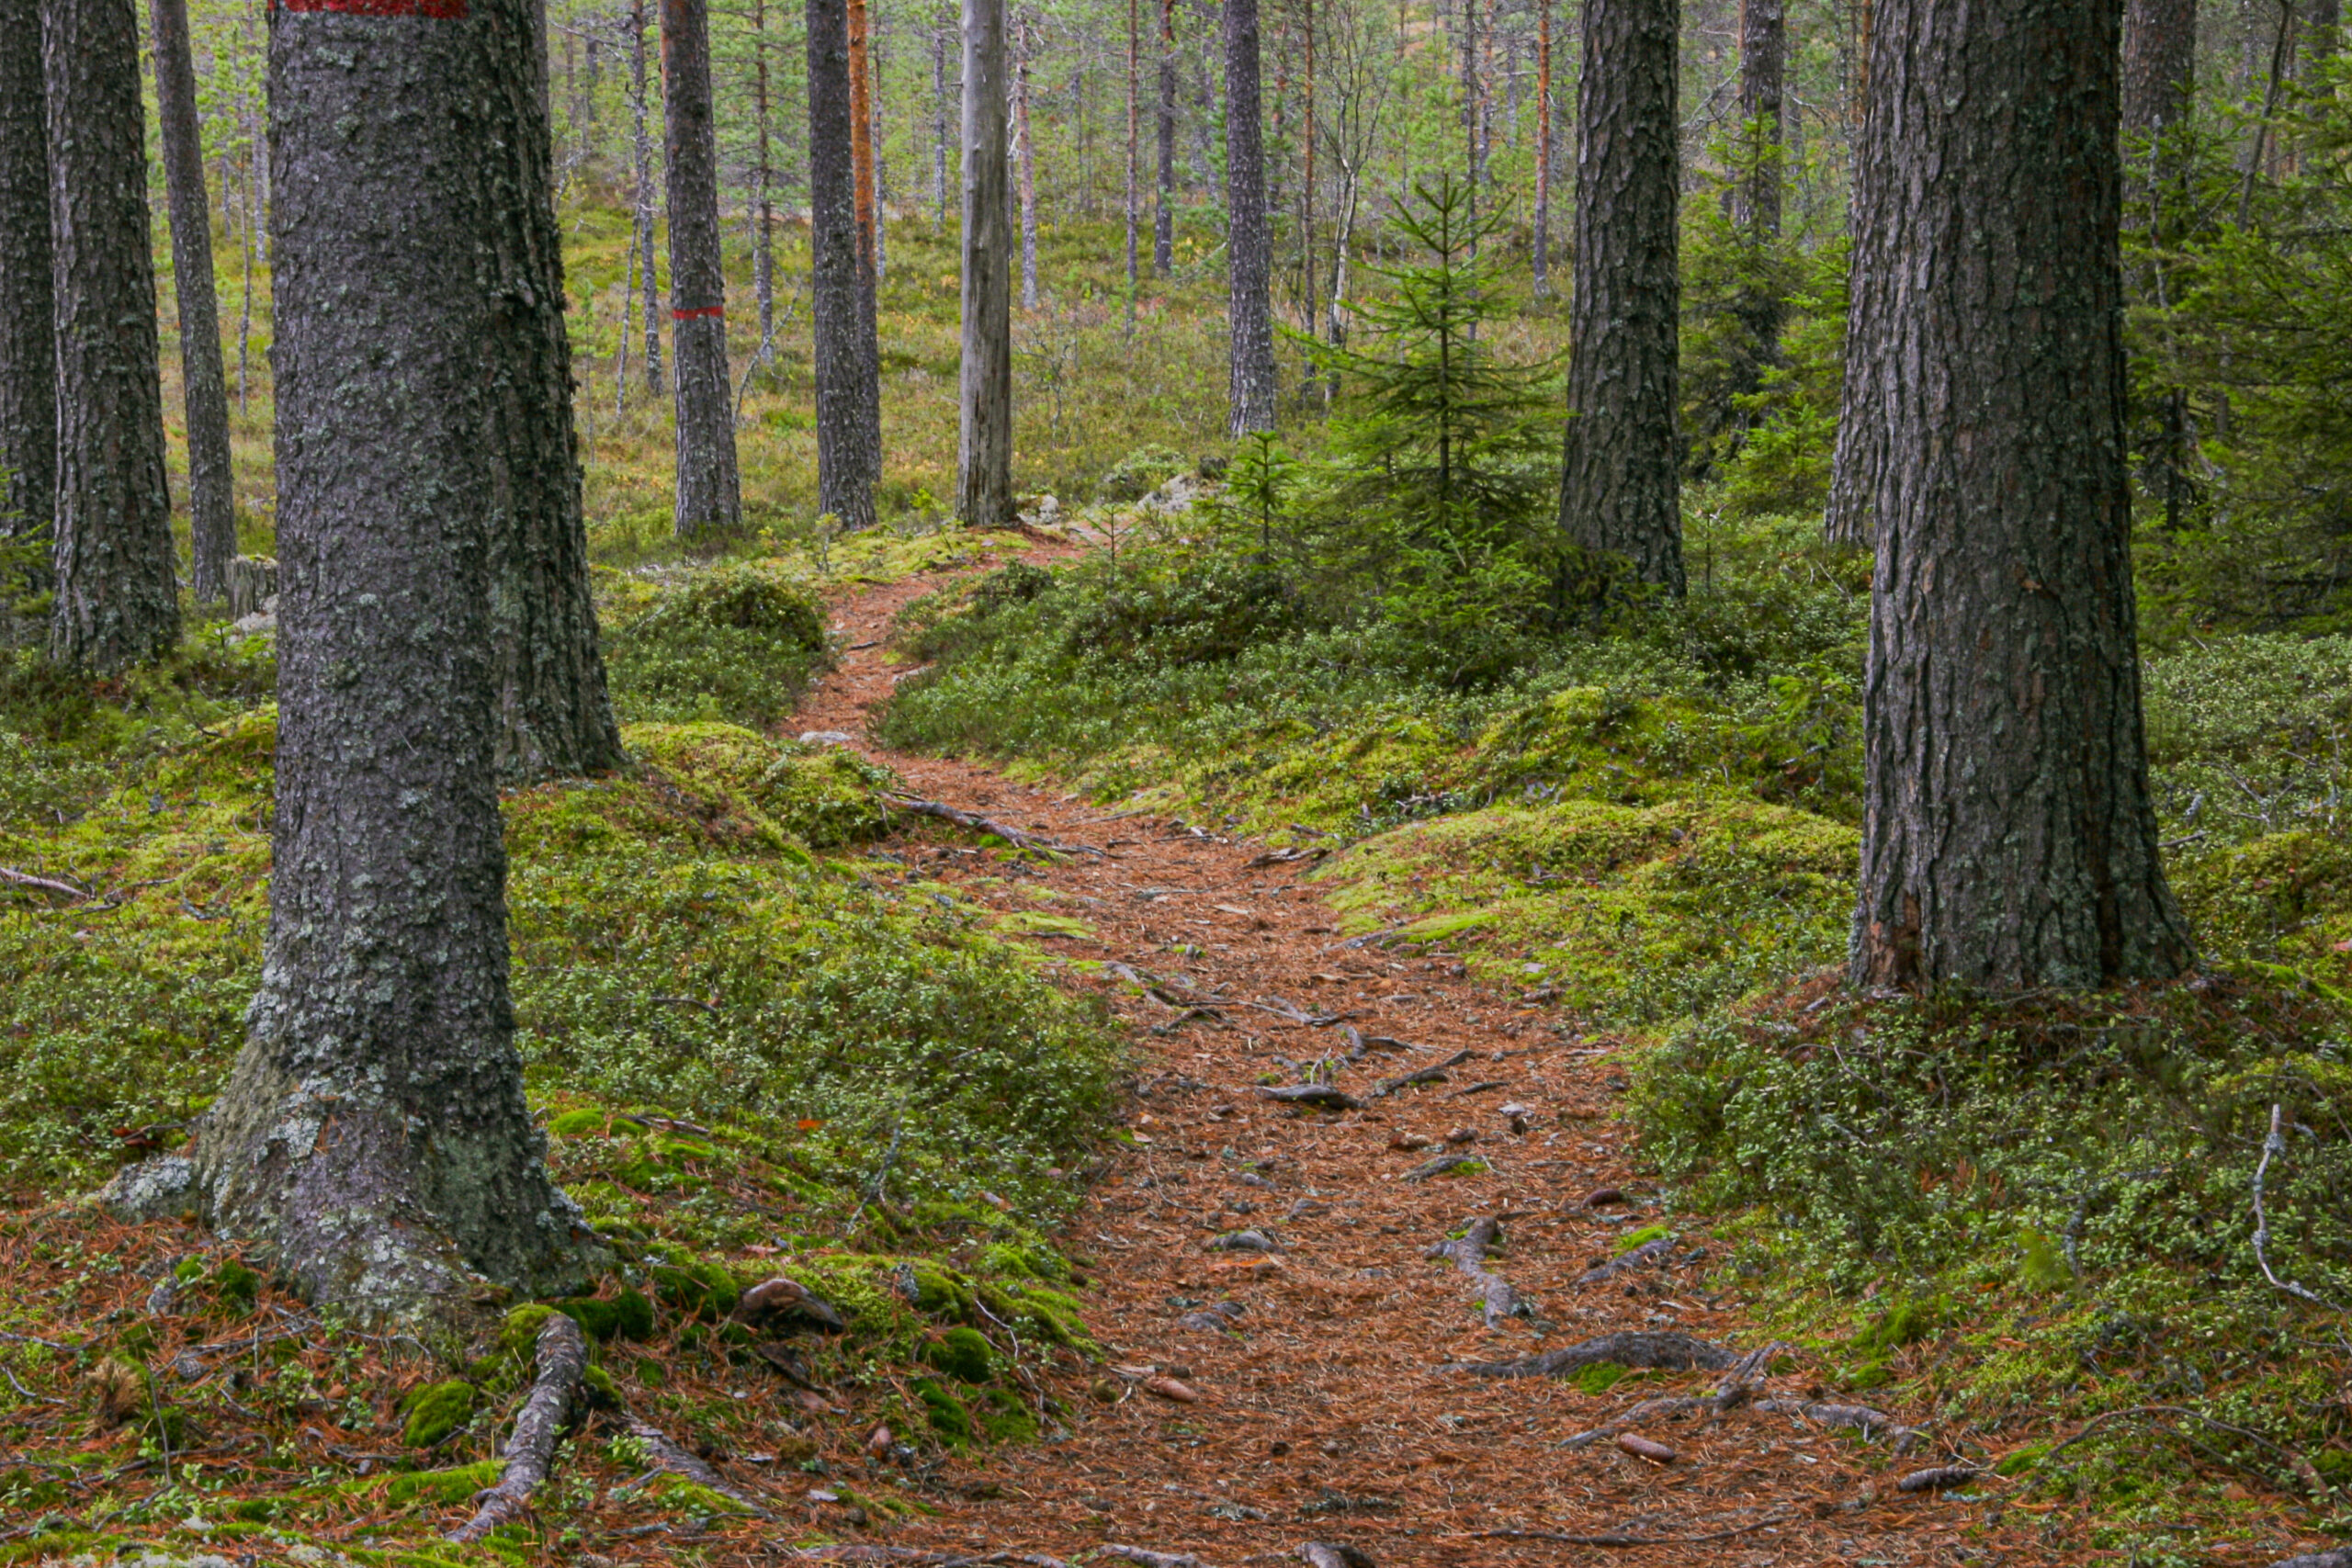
(1468, 1252)
(562, 1360)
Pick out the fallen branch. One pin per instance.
(1010, 835)
(1467, 1252)
(1850, 1417)
(665, 1455)
(2276, 1144)
(2303, 1467)
(916, 1557)
(1939, 1478)
(1152, 1559)
(1435, 1074)
(1442, 1165)
(1618, 1537)
(1321, 1096)
(563, 1360)
(1657, 1352)
(26, 879)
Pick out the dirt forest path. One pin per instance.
(1328, 1413)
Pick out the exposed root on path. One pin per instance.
(1468, 1253)
(665, 1455)
(1625, 1538)
(1653, 1352)
(562, 1362)
(979, 824)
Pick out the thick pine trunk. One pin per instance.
(1163, 216)
(1621, 484)
(2159, 69)
(847, 459)
(555, 718)
(1249, 240)
(709, 495)
(373, 1138)
(28, 333)
(2008, 841)
(117, 600)
(212, 513)
(984, 449)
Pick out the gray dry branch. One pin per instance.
(562, 1362)
(1467, 1252)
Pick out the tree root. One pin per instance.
(1152, 1559)
(1853, 1417)
(978, 823)
(1435, 1074)
(563, 1360)
(1657, 1352)
(665, 1455)
(916, 1557)
(2339, 1558)
(1648, 1255)
(1468, 1253)
(1333, 1554)
(1620, 1538)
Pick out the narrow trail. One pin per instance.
(1328, 1411)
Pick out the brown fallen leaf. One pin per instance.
(1642, 1448)
(1169, 1388)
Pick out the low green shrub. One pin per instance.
(737, 642)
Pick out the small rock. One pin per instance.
(1244, 1241)
(827, 737)
(1411, 1141)
(1462, 1135)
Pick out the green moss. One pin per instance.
(2017, 1462)
(235, 1288)
(434, 1411)
(625, 1316)
(676, 1492)
(1005, 1417)
(1641, 1237)
(963, 1353)
(699, 1290)
(945, 1412)
(577, 1123)
(441, 1488)
(737, 643)
(1906, 1323)
(519, 1335)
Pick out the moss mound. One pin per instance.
(962, 1353)
(738, 643)
(433, 1411)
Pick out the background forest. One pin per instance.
(1357, 637)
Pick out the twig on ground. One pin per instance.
(1433, 1073)
(2276, 1144)
(1333, 1554)
(562, 1361)
(1152, 1559)
(1321, 1096)
(1851, 1417)
(47, 885)
(1620, 1537)
(1441, 1166)
(978, 823)
(1661, 1352)
(28, 1393)
(667, 1455)
(1467, 1252)
(1643, 1257)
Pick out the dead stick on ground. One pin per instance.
(1010, 835)
(1617, 1539)
(562, 1361)
(26, 879)
(664, 1454)
(1468, 1253)
(2276, 1145)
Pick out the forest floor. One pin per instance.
(1335, 1408)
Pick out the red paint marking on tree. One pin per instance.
(439, 10)
(693, 312)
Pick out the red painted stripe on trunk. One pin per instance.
(439, 10)
(693, 312)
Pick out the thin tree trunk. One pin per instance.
(939, 124)
(28, 331)
(2008, 840)
(373, 1135)
(861, 147)
(1164, 217)
(1621, 485)
(710, 492)
(1026, 156)
(1470, 111)
(628, 299)
(848, 457)
(117, 601)
(554, 717)
(1540, 260)
(1251, 386)
(640, 104)
(1763, 54)
(1306, 183)
(1135, 213)
(212, 513)
(2159, 83)
(881, 165)
(763, 186)
(984, 454)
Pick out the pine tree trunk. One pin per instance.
(1025, 158)
(1621, 486)
(763, 188)
(860, 137)
(1763, 56)
(28, 331)
(2159, 79)
(641, 103)
(2159, 67)
(1541, 261)
(373, 1138)
(711, 496)
(984, 453)
(212, 515)
(848, 460)
(1249, 240)
(939, 131)
(117, 601)
(555, 718)
(1164, 217)
(2009, 840)
(1135, 126)
(881, 172)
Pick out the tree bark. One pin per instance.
(555, 716)
(1763, 58)
(28, 333)
(762, 186)
(116, 598)
(1541, 261)
(2159, 68)
(848, 460)
(373, 1138)
(1024, 153)
(204, 386)
(641, 103)
(1164, 217)
(1249, 240)
(861, 139)
(709, 494)
(1620, 483)
(939, 132)
(1135, 125)
(2159, 82)
(984, 450)
(2008, 841)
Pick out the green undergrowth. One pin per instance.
(2007, 1217)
